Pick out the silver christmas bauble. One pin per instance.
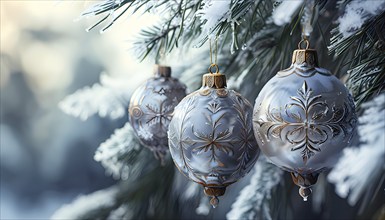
(211, 138)
(303, 118)
(151, 109)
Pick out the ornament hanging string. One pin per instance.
(214, 64)
(306, 21)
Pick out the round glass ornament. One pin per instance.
(303, 118)
(211, 138)
(151, 109)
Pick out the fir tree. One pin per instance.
(255, 40)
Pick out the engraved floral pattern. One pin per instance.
(307, 122)
(151, 109)
(179, 140)
(213, 144)
(160, 114)
(214, 140)
(246, 138)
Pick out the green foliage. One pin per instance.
(252, 50)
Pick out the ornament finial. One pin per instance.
(214, 201)
(304, 192)
(162, 71)
(304, 181)
(214, 192)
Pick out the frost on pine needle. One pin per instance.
(357, 13)
(253, 201)
(116, 153)
(212, 13)
(284, 12)
(101, 99)
(360, 168)
(85, 206)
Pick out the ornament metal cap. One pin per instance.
(308, 56)
(162, 71)
(305, 182)
(305, 55)
(214, 80)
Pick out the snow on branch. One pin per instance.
(359, 168)
(284, 12)
(102, 99)
(252, 203)
(212, 13)
(119, 152)
(89, 206)
(357, 13)
(204, 207)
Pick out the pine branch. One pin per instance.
(360, 171)
(366, 62)
(96, 205)
(253, 201)
(120, 154)
(108, 9)
(101, 99)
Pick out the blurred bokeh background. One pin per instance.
(46, 54)
(46, 155)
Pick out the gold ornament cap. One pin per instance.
(162, 71)
(305, 55)
(308, 56)
(214, 80)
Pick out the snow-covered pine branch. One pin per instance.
(357, 12)
(90, 206)
(284, 13)
(252, 203)
(104, 99)
(360, 168)
(212, 13)
(118, 154)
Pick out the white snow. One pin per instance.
(357, 13)
(213, 12)
(110, 152)
(284, 12)
(87, 204)
(253, 199)
(358, 168)
(204, 207)
(102, 98)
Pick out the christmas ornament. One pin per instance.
(151, 109)
(210, 136)
(303, 118)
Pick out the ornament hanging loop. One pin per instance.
(304, 41)
(213, 64)
(216, 68)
